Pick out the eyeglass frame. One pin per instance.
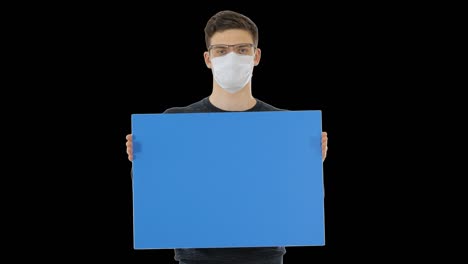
(251, 45)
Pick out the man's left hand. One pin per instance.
(324, 145)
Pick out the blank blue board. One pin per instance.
(229, 179)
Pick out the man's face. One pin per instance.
(231, 37)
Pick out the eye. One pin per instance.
(220, 51)
(243, 49)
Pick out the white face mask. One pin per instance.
(232, 71)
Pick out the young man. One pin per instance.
(232, 52)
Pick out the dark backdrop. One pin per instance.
(98, 64)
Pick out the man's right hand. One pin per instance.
(129, 147)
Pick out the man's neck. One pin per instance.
(240, 101)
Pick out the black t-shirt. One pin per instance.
(205, 105)
(225, 254)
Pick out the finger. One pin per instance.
(130, 157)
(129, 144)
(129, 137)
(324, 136)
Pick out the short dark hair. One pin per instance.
(228, 19)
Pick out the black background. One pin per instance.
(95, 65)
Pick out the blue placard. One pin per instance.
(230, 179)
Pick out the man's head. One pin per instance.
(231, 40)
(225, 20)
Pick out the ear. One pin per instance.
(206, 57)
(258, 54)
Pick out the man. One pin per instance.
(231, 40)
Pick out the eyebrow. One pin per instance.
(231, 44)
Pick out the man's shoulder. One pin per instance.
(177, 109)
(198, 106)
(263, 106)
